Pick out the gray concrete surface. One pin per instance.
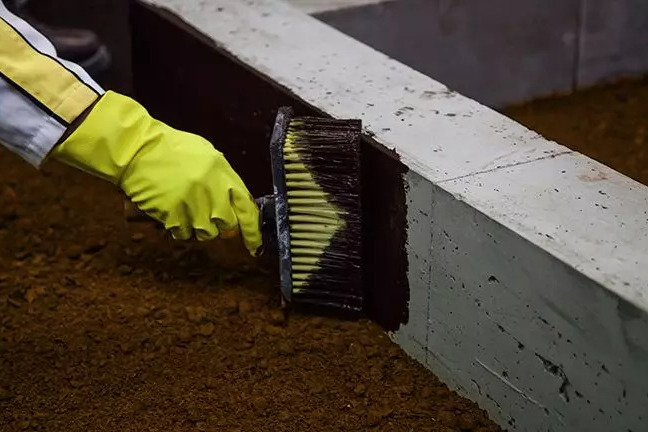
(535, 341)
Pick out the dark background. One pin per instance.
(109, 19)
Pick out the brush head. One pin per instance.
(316, 175)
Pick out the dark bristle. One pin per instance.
(338, 282)
(322, 157)
(330, 150)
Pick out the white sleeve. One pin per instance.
(40, 94)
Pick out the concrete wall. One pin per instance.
(501, 51)
(536, 342)
(614, 40)
(523, 262)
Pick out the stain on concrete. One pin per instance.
(596, 176)
(554, 369)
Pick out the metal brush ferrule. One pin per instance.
(267, 223)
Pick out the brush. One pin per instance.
(317, 205)
(313, 218)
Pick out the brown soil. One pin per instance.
(108, 327)
(607, 123)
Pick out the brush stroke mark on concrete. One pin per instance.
(385, 227)
(508, 383)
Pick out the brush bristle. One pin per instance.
(321, 160)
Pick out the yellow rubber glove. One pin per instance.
(175, 177)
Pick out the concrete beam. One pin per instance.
(520, 263)
(319, 6)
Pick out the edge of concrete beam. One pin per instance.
(526, 260)
(319, 6)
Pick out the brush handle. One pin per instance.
(267, 222)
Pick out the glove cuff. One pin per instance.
(108, 139)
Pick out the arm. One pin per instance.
(41, 95)
(52, 107)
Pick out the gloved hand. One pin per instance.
(175, 177)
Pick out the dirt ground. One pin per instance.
(105, 326)
(607, 123)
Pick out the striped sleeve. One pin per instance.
(40, 94)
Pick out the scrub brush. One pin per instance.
(313, 218)
(317, 205)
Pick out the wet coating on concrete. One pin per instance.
(385, 226)
(183, 79)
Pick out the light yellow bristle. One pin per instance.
(314, 218)
(291, 157)
(298, 176)
(305, 260)
(313, 211)
(296, 166)
(312, 244)
(313, 228)
(310, 235)
(321, 202)
(311, 218)
(305, 268)
(306, 251)
(301, 185)
(307, 193)
(298, 285)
